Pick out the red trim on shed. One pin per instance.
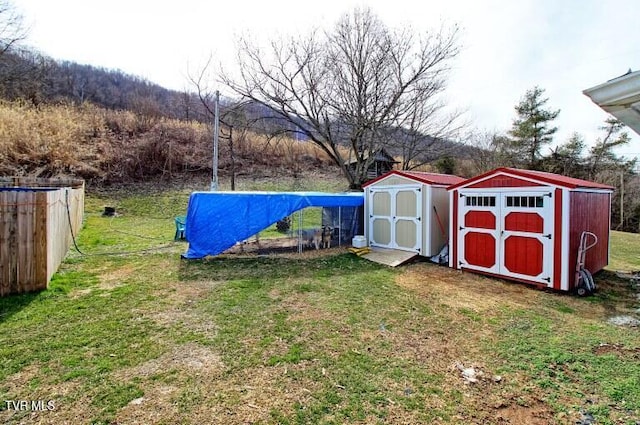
(453, 237)
(557, 241)
(422, 177)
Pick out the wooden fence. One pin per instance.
(37, 218)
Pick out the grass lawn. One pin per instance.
(322, 337)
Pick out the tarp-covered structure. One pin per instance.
(216, 221)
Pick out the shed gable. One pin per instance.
(502, 180)
(394, 180)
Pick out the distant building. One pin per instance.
(383, 162)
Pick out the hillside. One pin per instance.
(29, 75)
(107, 146)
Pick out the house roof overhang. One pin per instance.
(620, 97)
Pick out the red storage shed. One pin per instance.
(526, 225)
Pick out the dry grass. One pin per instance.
(113, 146)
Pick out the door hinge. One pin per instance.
(548, 279)
(418, 218)
(547, 236)
(461, 228)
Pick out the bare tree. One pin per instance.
(12, 29)
(428, 130)
(489, 151)
(235, 125)
(347, 86)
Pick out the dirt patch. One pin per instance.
(19, 388)
(463, 290)
(108, 281)
(155, 406)
(299, 308)
(535, 414)
(181, 301)
(191, 357)
(19, 380)
(114, 278)
(629, 321)
(618, 350)
(253, 393)
(246, 396)
(283, 247)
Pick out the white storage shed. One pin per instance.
(408, 211)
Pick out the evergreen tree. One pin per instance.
(601, 155)
(567, 159)
(531, 129)
(446, 164)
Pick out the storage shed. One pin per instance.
(527, 225)
(408, 211)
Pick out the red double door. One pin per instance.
(508, 234)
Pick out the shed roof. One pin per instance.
(422, 177)
(540, 176)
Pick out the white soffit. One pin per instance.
(620, 97)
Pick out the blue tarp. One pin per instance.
(217, 220)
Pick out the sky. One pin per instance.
(507, 46)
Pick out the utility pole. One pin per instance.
(621, 199)
(216, 119)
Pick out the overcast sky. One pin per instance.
(508, 46)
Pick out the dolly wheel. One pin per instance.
(582, 291)
(590, 281)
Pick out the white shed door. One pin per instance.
(395, 217)
(507, 234)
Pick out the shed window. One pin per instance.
(525, 201)
(481, 201)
